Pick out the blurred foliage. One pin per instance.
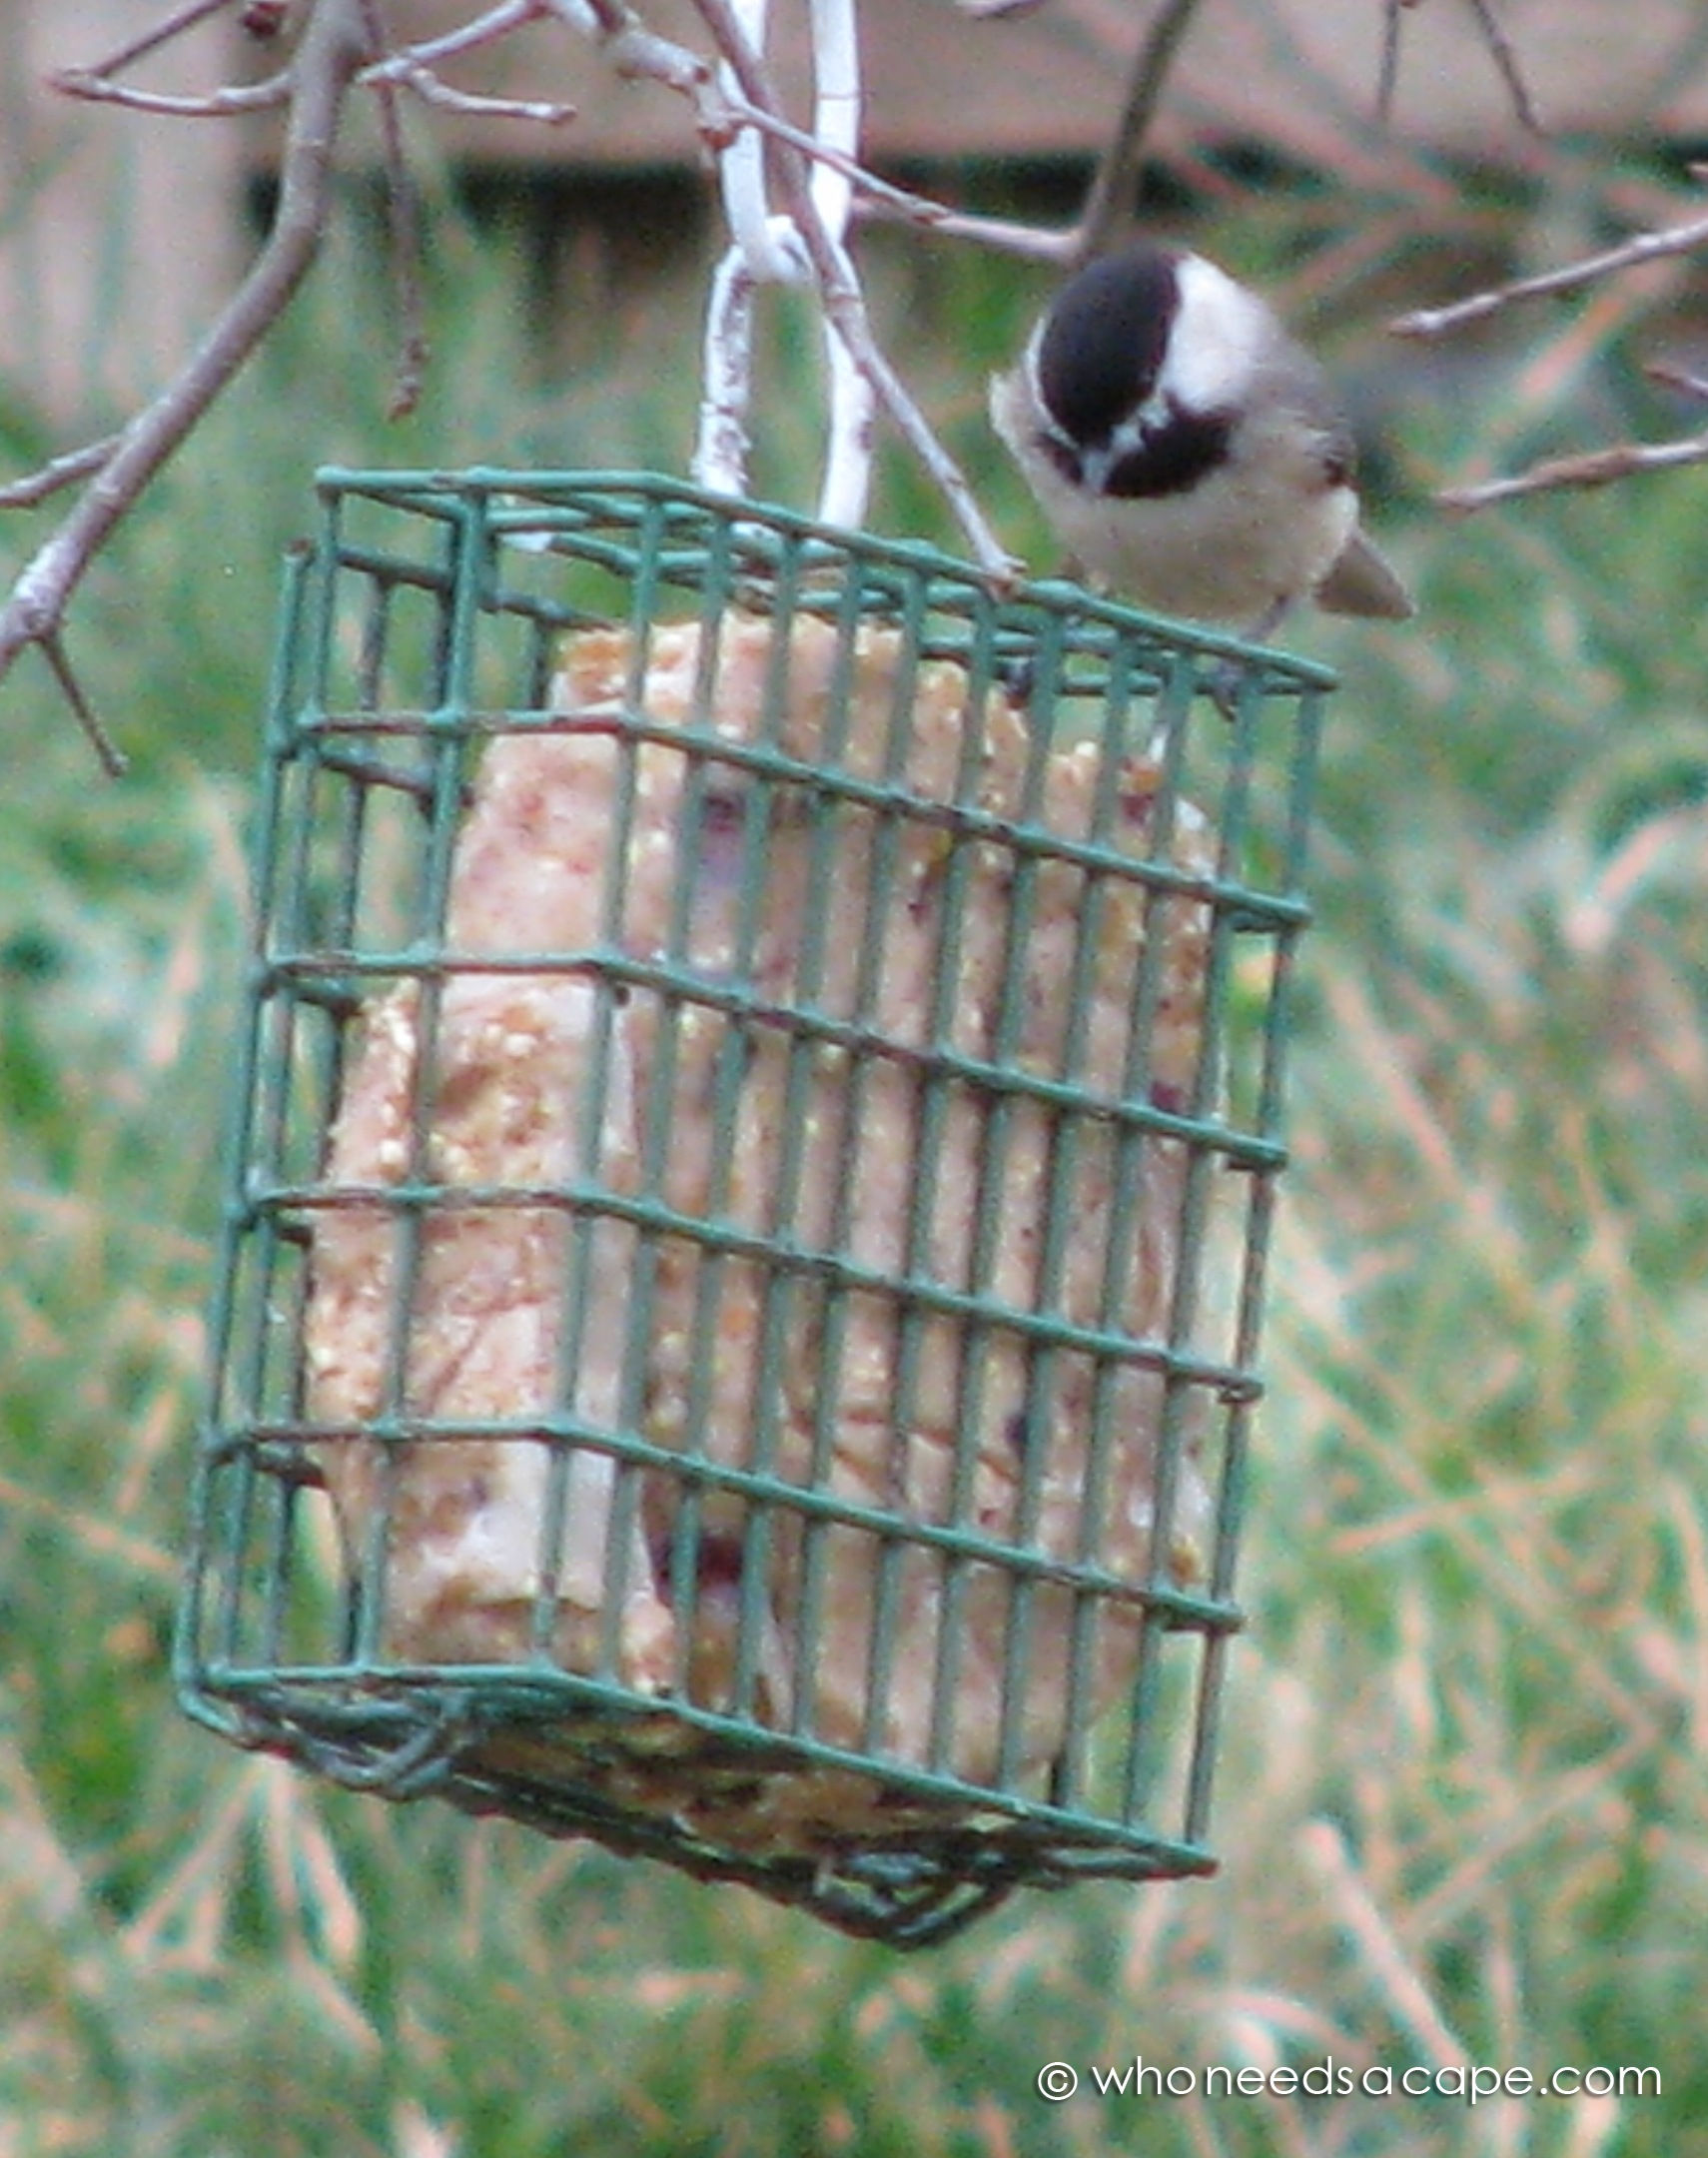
(1463, 1807)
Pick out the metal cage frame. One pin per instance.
(421, 624)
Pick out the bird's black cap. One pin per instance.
(1103, 341)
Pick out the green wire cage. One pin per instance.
(756, 1129)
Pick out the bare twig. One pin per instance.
(1590, 469)
(843, 302)
(1109, 202)
(1673, 376)
(415, 67)
(431, 91)
(1494, 36)
(1111, 197)
(1114, 186)
(1617, 461)
(1640, 247)
(885, 199)
(332, 50)
(110, 756)
(484, 29)
(163, 33)
(1506, 60)
(404, 232)
(639, 53)
(341, 44)
(99, 89)
(1387, 73)
(1387, 68)
(59, 472)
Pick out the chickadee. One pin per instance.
(1187, 450)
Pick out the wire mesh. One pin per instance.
(756, 1129)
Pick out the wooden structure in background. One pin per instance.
(120, 233)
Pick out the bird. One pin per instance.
(1190, 455)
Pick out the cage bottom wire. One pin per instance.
(755, 1139)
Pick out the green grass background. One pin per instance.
(1461, 1800)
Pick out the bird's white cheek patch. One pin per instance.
(1218, 337)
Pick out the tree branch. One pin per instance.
(1506, 60)
(59, 472)
(843, 302)
(497, 22)
(97, 88)
(1109, 202)
(404, 232)
(1640, 247)
(186, 17)
(1500, 47)
(1590, 469)
(884, 199)
(1675, 376)
(414, 67)
(341, 44)
(1387, 68)
(1111, 197)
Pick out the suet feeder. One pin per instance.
(757, 1119)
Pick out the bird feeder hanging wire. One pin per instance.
(766, 248)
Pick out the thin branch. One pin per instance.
(1591, 469)
(484, 29)
(637, 53)
(1506, 60)
(1673, 376)
(332, 50)
(1109, 202)
(187, 18)
(404, 231)
(1387, 68)
(57, 473)
(110, 756)
(415, 67)
(432, 91)
(884, 199)
(96, 87)
(1495, 37)
(842, 299)
(1640, 247)
(641, 55)
(1112, 195)
(1031, 242)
